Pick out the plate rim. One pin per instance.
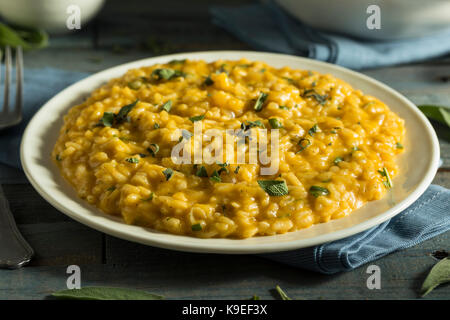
(238, 247)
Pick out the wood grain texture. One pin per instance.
(123, 33)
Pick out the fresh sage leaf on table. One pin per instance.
(438, 113)
(438, 275)
(105, 293)
(25, 38)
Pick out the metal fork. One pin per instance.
(12, 116)
(14, 250)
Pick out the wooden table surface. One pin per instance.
(130, 30)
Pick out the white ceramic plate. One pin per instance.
(418, 164)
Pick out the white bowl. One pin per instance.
(399, 18)
(49, 15)
(418, 164)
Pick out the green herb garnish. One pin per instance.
(110, 119)
(201, 172)
(153, 149)
(104, 293)
(58, 157)
(135, 84)
(439, 274)
(274, 187)
(197, 118)
(303, 143)
(168, 173)
(237, 169)
(283, 107)
(175, 62)
(275, 123)
(107, 120)
(384, 173)
(260, 101)
(156, 126)
(196, 227)
(132, 160)
(167, 106)
(215, 176)
(150, 197)
(111, 189)
(337, 160)
(314, 129)
(317, 191)
(282, 294)
(398, 145)
(311, 93)
(208, 81)
(252, 124)
(167, 74)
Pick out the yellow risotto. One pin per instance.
(336, 151)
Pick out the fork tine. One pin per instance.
(19, 81)
(7, 79)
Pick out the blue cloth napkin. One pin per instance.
(427, 217)
(267, 27)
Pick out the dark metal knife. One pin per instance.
(15, 252)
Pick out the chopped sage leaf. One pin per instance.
(303, 143)
(317, 191)
(135, 84)
(132, 160)
(237, 169)
(150, 197)
(111, 189)
(175, 62)
(122, 115)
(275, 123)
(337, 160)
(260, 101)
(168, 173)
(215, 176)
(201, 172)
(156, 126)
(311, 93)
(167, 106)
(186, 134)
(196, 227)
(58, 157)
(283, 107)
(107, 120)
(197, 118)
(167, 74)
(385, 173)
(274, 187)
(208, 81)
(314, 129)
(252, 124)
(398, 145)
(153, 149)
